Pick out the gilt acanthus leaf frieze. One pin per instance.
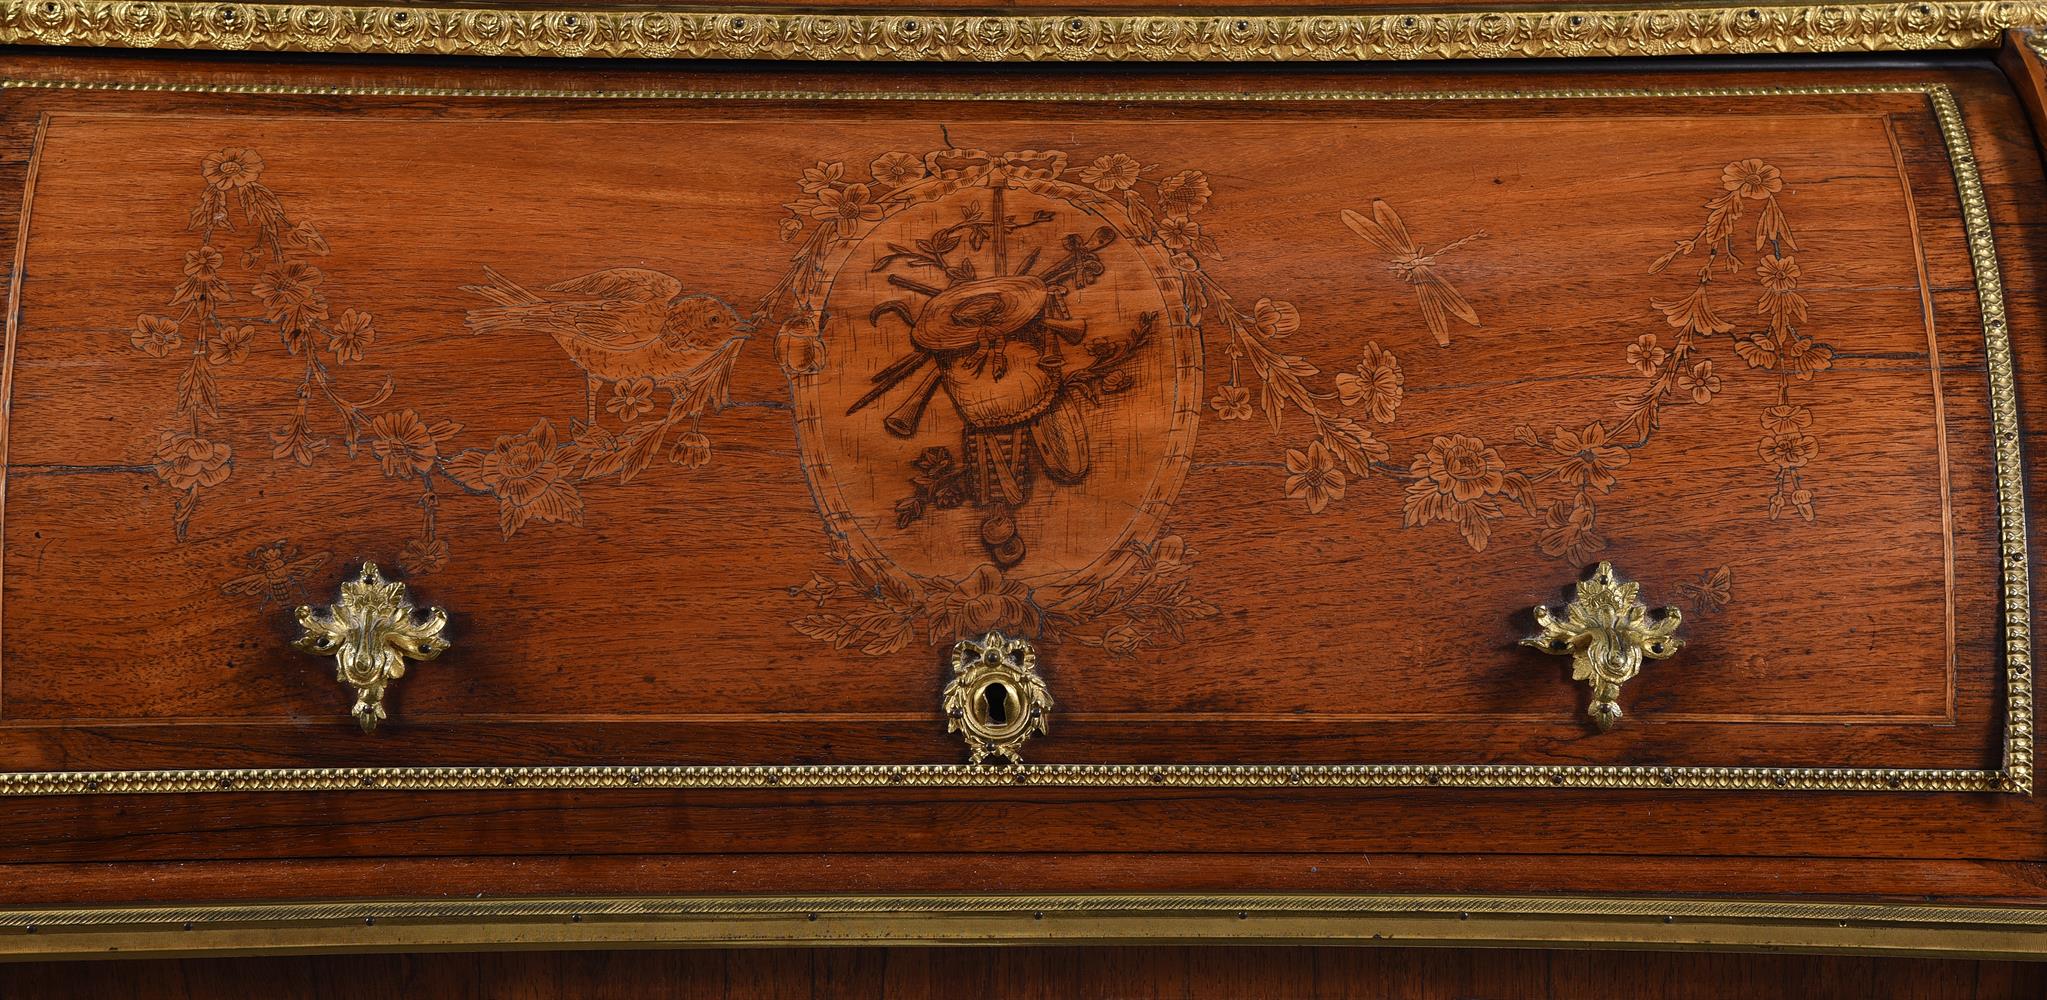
(1052, 36)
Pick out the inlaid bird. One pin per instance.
(617, 325)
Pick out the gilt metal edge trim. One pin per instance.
(1053, 36)
(952, 919)
(546, 906)
(1163, 96)
(2013, 775)
(772, 776)
(2017, 763)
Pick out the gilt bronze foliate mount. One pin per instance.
(1607, 631)
(371, 632)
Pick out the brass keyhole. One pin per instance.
(998, 704)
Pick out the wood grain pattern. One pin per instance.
(843, 871)
(2027, 69)
(1568, 254)
(1242, 567)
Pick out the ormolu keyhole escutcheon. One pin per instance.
(996, 698)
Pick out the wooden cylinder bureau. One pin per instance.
(532, 476)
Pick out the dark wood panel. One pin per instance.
(1051, 974)
(1012, 820)
(487, 877)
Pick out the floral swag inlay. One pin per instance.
(1462, 480)
(270, 284)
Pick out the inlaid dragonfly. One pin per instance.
(1386, 233)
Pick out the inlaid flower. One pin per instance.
(939, 480)
(1312, 477)
(524, 473)
(1111, 173)
(824, 175)
(1570, 533)
(1752, 179)
(350, 336)
(1461, 467)
(846, 204)
(1178, 232)
(422, 556)
(203, 263)
(1231, 402)
(631, 397)
(1276, 318)
(1168, 556)
(1184, 193)
(402, 443)
(985, 600)
(202, 278)
(155, 335)
(1645, 355)
(896, 168)
(692, 450)
(1800, 500)
(1778, 274)
(1376, 386)
(1700, 381)
(230, 345)
(292, 283)
(1788, 451)
(1786, 418)
(1801, 356)
(187, 461)
(232, 168)
(1588, 458)
(1693, 313)
(291, 296)
(1458, 479)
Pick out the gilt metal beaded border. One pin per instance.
(1052, 36)
(2013, 775)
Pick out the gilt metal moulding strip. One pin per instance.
(766, 776)
(992, 919)
(2013, 774)
(1053, 36)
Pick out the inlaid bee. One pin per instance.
(280, 573)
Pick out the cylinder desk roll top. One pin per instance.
(953, 476)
